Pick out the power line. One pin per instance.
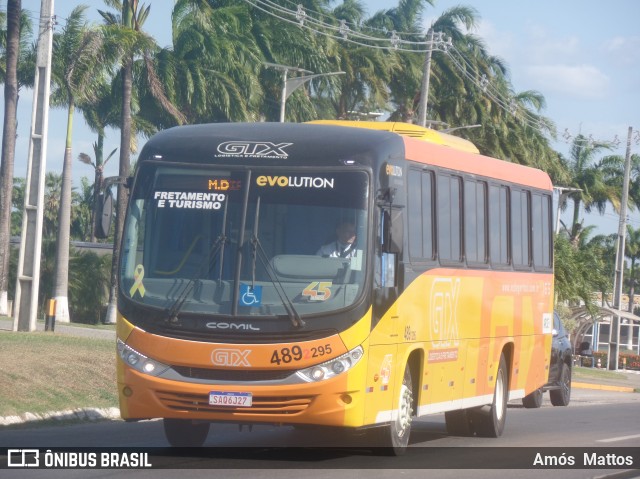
(394, 41)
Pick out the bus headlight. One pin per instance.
(331, 368)
(139, 361)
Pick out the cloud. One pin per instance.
(499, 43)
(581, 81)
(622, 51)
(543, 44)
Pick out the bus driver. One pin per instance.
(344, 245)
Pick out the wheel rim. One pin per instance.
(500, 405)
(566, 385)
(403, 422)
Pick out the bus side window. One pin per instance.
(520, 228)
(498, 221)
(449, 218)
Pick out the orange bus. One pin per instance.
(321, 274)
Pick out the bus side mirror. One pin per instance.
(392, 231)
(104, 214)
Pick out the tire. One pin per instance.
(533, 400)
(185, 433)
(460, 423)
(490, 421)
(562, 396)
(394, 438)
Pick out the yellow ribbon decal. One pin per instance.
(138, 276)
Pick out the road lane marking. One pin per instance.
(621, 438)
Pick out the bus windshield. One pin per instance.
(245, 242)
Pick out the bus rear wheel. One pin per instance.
(489, 422)
(394, 438)
(460, 423)
(185, 433)
(533, 400)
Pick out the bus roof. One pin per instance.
(407, 129)
(431, 154)
(425, 145)
(310, 144)
(313, 144)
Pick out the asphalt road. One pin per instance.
(594, 419)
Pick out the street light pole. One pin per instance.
(465, 127)
(614, 332)
(289, 85)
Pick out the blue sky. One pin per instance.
(582, 55)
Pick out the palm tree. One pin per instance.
(125, 29)
(364, 86)
(580, 268)
(211, 71)
(8, 143)
(79, 58)
(51, 205)
(17, 198)
(596, 188)
(632, 251)
(81, 211)
(406, 78)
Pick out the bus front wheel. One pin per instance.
(490, 421)
(394, 438)
(185, 433)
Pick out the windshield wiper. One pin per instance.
(257, 251)
(218, 245)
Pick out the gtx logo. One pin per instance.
(256, 149)
(231, 357)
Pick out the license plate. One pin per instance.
(230, 399)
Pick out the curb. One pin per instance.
(602, 387)
(81, 414)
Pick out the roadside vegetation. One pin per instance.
(44, 372)
(116, 76)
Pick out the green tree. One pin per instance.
(406, 76)
(81, 209)
(594, 182)
(632, 251)
(9, 130)
(364, 86)
(211, 71)
(17, 198)
(79, 61)
(579, 270)
(88, 285)
(124, 27)
(51, 206)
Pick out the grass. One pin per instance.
(42, 372)
(106, 327)
(603, 375)
(594, 373)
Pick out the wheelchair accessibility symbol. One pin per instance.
(250, 296)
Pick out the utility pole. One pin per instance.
(28, 281)
(424, 90)
(614, 332)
